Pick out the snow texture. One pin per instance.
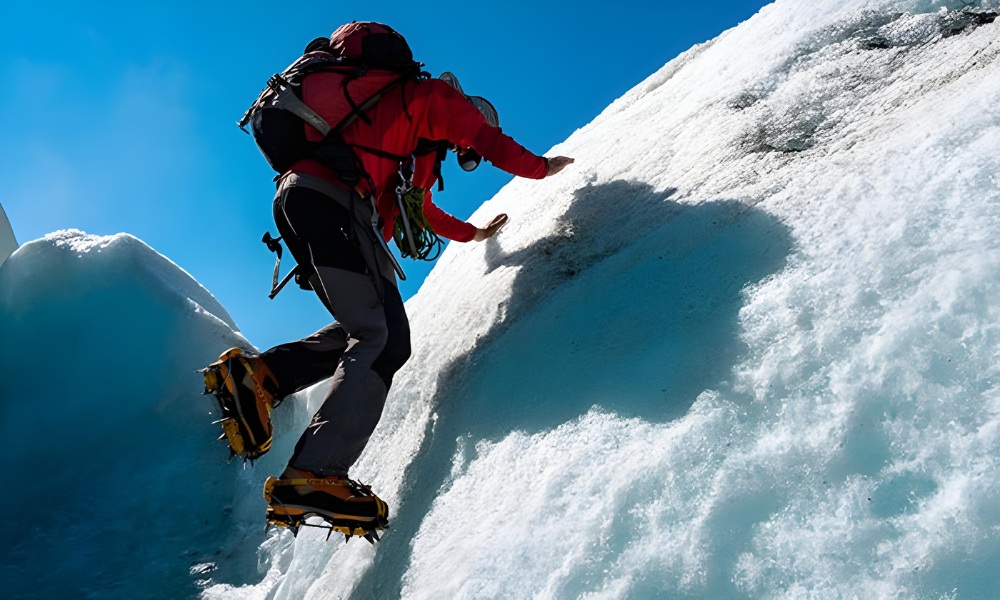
(746, 346)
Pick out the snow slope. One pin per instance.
(746, 347)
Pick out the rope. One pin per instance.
(426, 244)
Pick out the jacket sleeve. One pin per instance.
(446, 225)
(450, 116)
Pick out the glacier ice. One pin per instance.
(115, 486)
(8, 243)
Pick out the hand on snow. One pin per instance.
(486, 233)
(557, 163)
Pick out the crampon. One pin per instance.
(346, 506)
(245, 389)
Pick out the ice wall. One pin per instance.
(745, 347)
(8, 243)
(114, 485)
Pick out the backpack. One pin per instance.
(369, 59)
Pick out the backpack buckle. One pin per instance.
(276, 82)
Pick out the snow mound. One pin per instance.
(116, 486)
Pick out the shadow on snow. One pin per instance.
(631, 305)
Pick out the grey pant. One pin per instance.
(362, 350)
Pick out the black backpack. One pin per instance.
(369, 59)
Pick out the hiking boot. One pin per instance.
(348, 506)
(245, 388)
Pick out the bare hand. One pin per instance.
(495, 225)
(557, 163)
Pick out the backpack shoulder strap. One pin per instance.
(440, 149)
(286, 99)
(279, 92)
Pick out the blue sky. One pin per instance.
(119, 117)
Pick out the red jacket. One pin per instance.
(445, 224)
(433, 110)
